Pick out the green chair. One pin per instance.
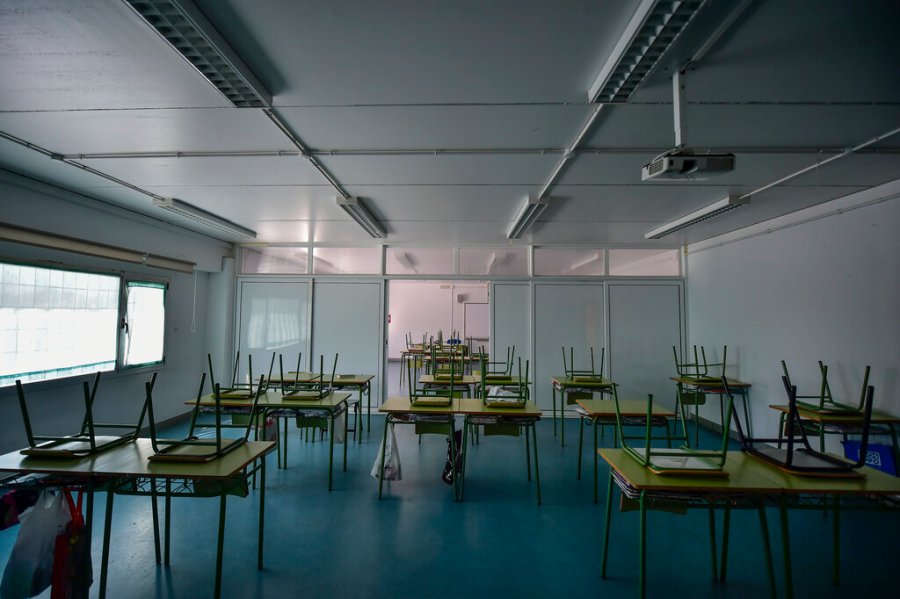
(667, 460)
(505, 393)
(431, 395)
(84, 443)
(193, 447)
(824, 401)
(583, 375)
(700, 369)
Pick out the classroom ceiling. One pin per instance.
(443, 117)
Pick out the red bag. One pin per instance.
(72, 575)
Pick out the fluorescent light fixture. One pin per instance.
(186, 29)
(705, 213)
(528, 215)
(653, 28)
(203, 217)
(358, 212)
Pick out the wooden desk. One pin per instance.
(400, 410)
(566, 385)
(602, 412)
(467, 380)
(749, 479)
(501, 418)
(129, 464)
(842, 424)
(712, 386)
(363, 384)
(272, 403)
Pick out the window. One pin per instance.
(145, 323)
(419, 261)
(347, 260)
(568, 262)
(57, 323)
(493, 261)
(644, 263)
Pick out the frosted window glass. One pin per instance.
(347, 261)
(644, 263)
(274, 260)
(493, 261)
(146, 323)
(419, 261)
(573, 262)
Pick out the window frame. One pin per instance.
(125, 277)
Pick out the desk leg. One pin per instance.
(331, 450)
(537, 466)
(220, 545)
(167, 532)
(356, 432)
(527, 452)
(609, 490)
(726, 529)
(368, 406)
(764, 529)
(461, 474)
(262, 510)
(595, 461)
(553, 387)
(562, 418)
(786, 549)
(836, 543)
(642, 545)
(580, 445)
(107, 529)
(712, 542)
(155, 510)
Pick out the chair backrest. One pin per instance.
(512, 394)
(824, 401)
(700, 367)
(664, 460)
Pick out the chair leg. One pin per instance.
(605, 554)
(712, 542)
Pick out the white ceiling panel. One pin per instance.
(496, 169)
(360, 52)
(436, 127)
(177, 172)
(64, 55)
(122, 131)
(445, 116)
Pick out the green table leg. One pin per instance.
(168, 523)
(220, 544)
(562, 418)
(642, 547)
(712, 542)
(786, 549)
(346, 440)
(464, 450)
(107, 529)
(605, 554)
(331, 449)
(595, 462)
(580, 444)
(527, 452)
(770, 569)
(262, 511)
(368, 406)
(726, 529)
(537, 467)
(836, 544)
(155, 510)
(553, 387)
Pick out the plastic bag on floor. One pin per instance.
(72, 575)
(389, 457)
(339, 428)
(30, 567)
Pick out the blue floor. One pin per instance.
(418, 543)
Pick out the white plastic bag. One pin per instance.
(30, 566)
(390, 457)
(339, 428)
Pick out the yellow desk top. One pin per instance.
(351, 379)
(472, 406)
(401, 405)
(747, 474)
(273, 399)
(131, 460)
(566, 381)
(878, 416)
(712, 382)
(428, 379)
(296, 377)
(629, 408)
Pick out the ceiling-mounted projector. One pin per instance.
(681, 164)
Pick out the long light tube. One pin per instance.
(203, 217)
(528, 215)
(698, 216)
(358, 212)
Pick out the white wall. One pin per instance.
(57, 407)
(827, 289)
